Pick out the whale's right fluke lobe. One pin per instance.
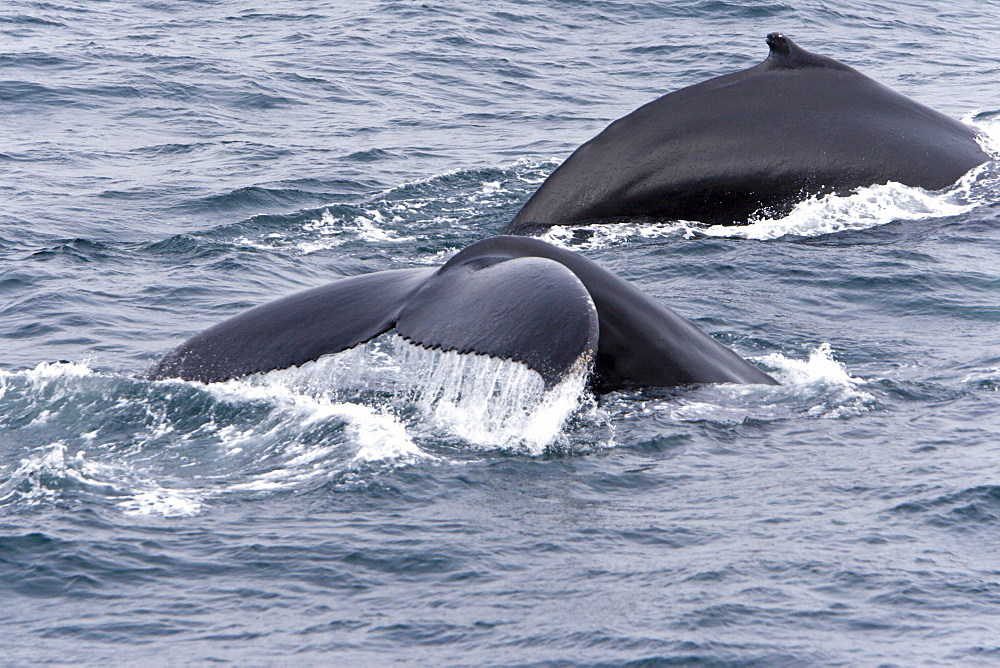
(528, 309)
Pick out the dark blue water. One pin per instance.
(166, 164)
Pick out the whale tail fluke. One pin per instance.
(514, 298)
(530, 310)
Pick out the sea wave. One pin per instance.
(366, 408)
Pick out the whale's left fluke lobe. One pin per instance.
(296, 329)
(514, 298)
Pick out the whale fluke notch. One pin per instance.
(515, 298)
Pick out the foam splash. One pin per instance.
(134, 442)
(47, 472)
(164, 502)
(370, 226)
(817, 387)
(823, 377)
(818, 215)
(374, 438)
(865, 208)
(820, 366)
(374, 435)
(369, 406)
(372, 366)
(46, 371)
(43, 375)
(604, 235)
(168, 447)
(379, 436)
(988, 124)
(310, 434)
(304, 410)
(49, 381)
(330, 231)
(441, 205)
(487, 401)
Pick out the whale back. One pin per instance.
(758, 140)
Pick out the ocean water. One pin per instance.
(166, 164)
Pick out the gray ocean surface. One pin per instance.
(167, 164)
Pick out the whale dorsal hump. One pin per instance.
(786, 54)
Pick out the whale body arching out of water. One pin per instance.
(516, 298)
(723, 150)
(753, 142)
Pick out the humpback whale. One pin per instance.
(516, 298)
(753, 142)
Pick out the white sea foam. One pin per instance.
(865, 208)
(371, 366)
(604, 235)
(823, 377)
(286, 429)
(989, 130)
(49, 379)
(288, 438)
(819, 367)
(487, 401)
(818, 215)
(373, 437)
(303, 400)
(817, 387)
(334, 231)
(164, 502)
(41, 476)
(45, 372)
(24, 481)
